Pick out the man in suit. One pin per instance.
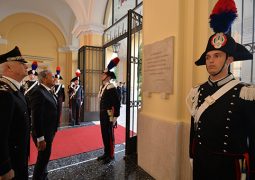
(109, 111)
(76, 99)
(222, 138)
(44, 121)
(14, 129)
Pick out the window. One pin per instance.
(243, 31)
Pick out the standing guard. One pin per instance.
(59, 91)
(31, 84)
(76, 97)
(109, 111)
(222, 138)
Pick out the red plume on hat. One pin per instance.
(113, 63)
(57, 75)
(223, 15)
(78, 73)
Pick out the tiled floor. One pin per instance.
(86, 167)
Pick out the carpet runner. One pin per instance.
(74, 141)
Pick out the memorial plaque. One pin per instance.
(158, 66)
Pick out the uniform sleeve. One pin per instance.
(38, 108)
(115, 101)
(250, 117)
(7, 107)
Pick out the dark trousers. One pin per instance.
(43, 157)
(211, 166)
(19, 162)
(107, 134)
(76, 108)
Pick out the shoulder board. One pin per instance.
(192, 99)
(4, 87)
(110, 86)
(248, 92)
(4, 83)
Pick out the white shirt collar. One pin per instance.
(16, 83)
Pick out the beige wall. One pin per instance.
(163, 125)
(91, 39)
(37, 36)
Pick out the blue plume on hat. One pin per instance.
(34, 65)
(223, 15)
(58, 70)
(114, 62)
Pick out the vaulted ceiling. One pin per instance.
(72, 17)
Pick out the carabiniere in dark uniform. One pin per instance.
(14, 130)
(226, 128)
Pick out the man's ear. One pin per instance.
(230, 59)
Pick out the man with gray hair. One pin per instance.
(44, 110)
(14, 129)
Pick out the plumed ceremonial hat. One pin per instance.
(57, 75)
(113, 63)
(13, 55)
(221, 19)
(78, 74)
(33, 69)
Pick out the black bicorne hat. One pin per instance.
(110, 74)
(225, 43)
(74, 79)
(58, 76)
(31, 72)
(223, 15)
(13, 55)
(113, 63)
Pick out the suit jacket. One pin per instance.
(44, 113)
(14, 130)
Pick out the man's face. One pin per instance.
(76, 82)
(215, 60)
(18, 69)
(103, 76)
(49, 80)
(56, 80)
(31, 76)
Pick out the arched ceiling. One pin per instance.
(72, 17)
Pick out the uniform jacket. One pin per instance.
(14, 129)
(60, 93)
(44, 113)
(227, 126)
(109, 98)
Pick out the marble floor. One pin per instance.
(86, 167)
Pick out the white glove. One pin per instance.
(191, 162)
(114, 120)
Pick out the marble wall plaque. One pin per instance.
(158, 66)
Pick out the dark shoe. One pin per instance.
(107, 160)
(101, 157)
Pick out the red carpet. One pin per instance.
(73, 141)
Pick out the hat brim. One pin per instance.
(240, 54)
